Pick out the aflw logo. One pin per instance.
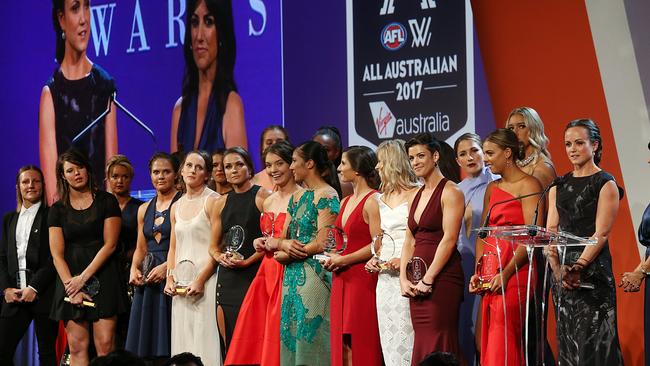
(383, 119)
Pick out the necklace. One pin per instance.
(528, 160)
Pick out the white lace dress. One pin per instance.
(395, 329)
(194, 319)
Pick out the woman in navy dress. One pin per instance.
(209, 114)
(149, 324)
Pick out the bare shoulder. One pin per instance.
(178, 105)
(531, 184)
(234, 101)
(143, 208)
(263, 193)
(452, 192)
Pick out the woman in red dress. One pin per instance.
(256, 339)
(353, 310)
(503, 307)
(435, 215)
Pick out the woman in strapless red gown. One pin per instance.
(434, 221)
(256, 339)
(354, 330)
(503, 311)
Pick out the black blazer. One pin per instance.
(39, 261)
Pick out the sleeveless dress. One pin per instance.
(393, 314)
(586, 327)
(435, 316)
(76, 104)
(305, 317)
(232, 283)
(149, 332)
(256, 340)
(83, 233)
(494, 326)
(353, 307)
(212, 134)
(474, 191)
(194, 320)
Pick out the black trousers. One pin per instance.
(13, 328)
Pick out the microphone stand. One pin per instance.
(482, 233)
(112, 99)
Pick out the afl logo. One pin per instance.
(393, 36)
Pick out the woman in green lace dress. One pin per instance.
(305, 319)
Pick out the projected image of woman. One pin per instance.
(209, 114)
(76, 94)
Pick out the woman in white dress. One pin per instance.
(194, 319)
(398, 185)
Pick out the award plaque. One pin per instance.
(233, 240)
(91, 288)
(147, 265)
(486, 268)
(383, 245)
(415, 269)
(267, 224)
(334, 240)
(184, 274)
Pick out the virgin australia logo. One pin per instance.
(383, 119)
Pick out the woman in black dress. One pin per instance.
(584, 294)
(84, 227)
(119, 174)
(149, 334)
(241, 207)
(77, 93)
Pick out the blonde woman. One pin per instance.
(527, 125)
(398, 185)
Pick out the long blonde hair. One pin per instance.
(396, 172)
(536, 137)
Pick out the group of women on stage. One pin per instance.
(230, 273)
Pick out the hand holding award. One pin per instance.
(233, 240)
(334, 241)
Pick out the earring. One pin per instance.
(63, 35)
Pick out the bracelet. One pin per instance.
(586, 262)
(170, 272)
(426, 284)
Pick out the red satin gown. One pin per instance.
(494, 325)
(353, 309)
(256, 339)
(435, 316)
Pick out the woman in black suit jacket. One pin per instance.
(26, 271)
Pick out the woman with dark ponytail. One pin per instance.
(330, 138)
(353, 310)
(78, 92)
(585, 205)
(503, 307)
(305, 315)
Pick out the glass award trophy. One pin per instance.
(148, 264)
(184, 274)
(233, 240)
(334, 240)
(383, 245)
(415, 269)
(91, 288)
(486, 268)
